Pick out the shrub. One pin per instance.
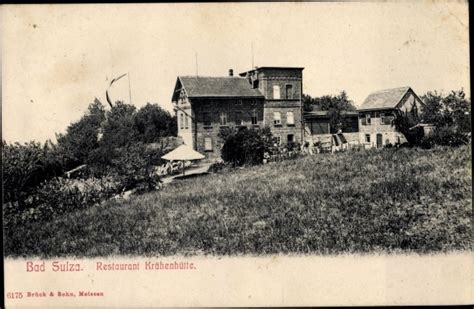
(134, 168)
(25, 166)
(218, 166)
(245, 146)
(446, 136)
(56, 197)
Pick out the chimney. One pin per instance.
(231, 72)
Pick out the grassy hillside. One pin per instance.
(390, 200)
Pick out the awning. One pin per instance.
(183, 153)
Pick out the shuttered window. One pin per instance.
(276, 92)
(290, 118)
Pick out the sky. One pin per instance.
(57, 58)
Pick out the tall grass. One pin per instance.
(391, 200)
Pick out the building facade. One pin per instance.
(267, 96)
(377, 112)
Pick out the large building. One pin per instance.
(265, 96)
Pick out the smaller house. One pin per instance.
(377, 112)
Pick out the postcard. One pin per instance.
(236, 154)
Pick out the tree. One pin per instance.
(119, 127)
(80, 138)
(335, 105)
(406, 123)
(451, 110)
(152, 123)
(133, 167)
(245, 146)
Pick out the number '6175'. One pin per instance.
(14, 295)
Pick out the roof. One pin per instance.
(216, 87)
(275, 68)
(183, 153)
(384, 99)
(325, 114)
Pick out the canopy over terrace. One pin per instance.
(183, 153)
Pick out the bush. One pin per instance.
(25, 166)
(56, 197)
(219, 166)
(446, 136)
(245, 146)
(134, 168)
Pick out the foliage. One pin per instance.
(55, 197)
(335, 105)
(446, 136)
(453, 109)
(406, 199)
(406, 123)
(119, 126)
(152, 123)
(220, 166)
(449, 114)
(134, 168)
(81, 138)
(245, 146)
(25, 166)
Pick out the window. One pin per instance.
(186, 121)
(276, 92)
(367, 119)
(385, 119)
(223, 119)
(254, 117)
(181, 120)
(277, 140)
(276, 118)
(289, 91)
(367, 138)
(238, 118)
(290, 138)
(208, 144)
(207, 119)
(255, 84)
(182, 97)
(290, 118)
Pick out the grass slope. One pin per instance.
(390, 200)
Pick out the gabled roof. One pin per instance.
(215, 87)
(386, 99)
